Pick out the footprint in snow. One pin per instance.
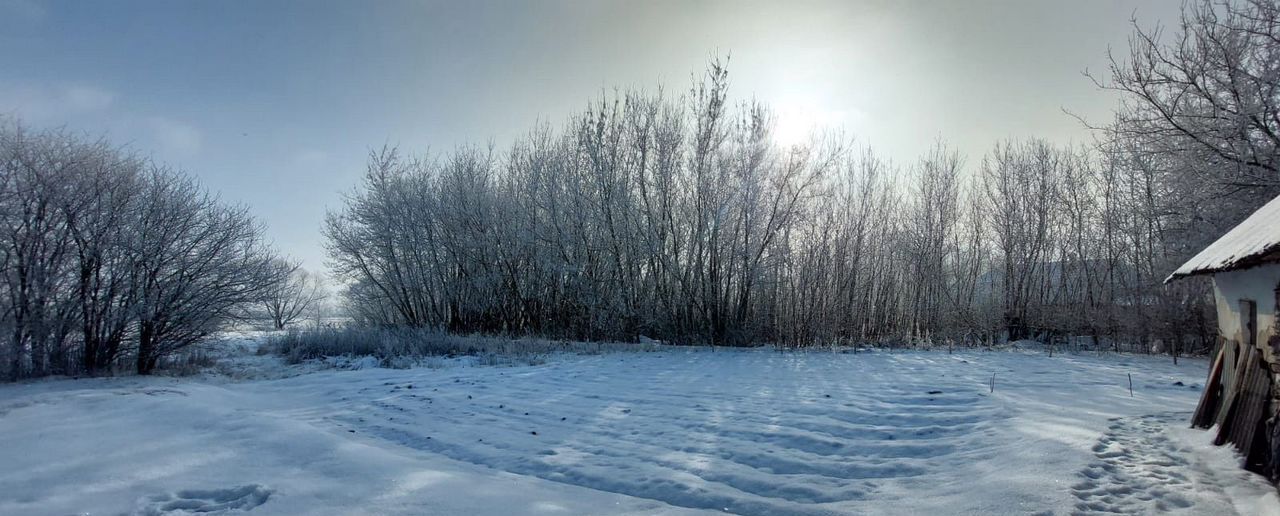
(204, 501)
(1138, 469)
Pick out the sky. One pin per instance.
(276, 104)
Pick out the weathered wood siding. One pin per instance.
(1241, 390)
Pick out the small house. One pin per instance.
(1241, 396)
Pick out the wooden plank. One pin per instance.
(1230, 359)
(1226, 416)
(1230, 387)
(1211, 396)
(1250, 405)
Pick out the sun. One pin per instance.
(797, 123)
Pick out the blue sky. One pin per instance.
(276, 103)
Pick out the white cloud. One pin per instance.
(53, 103)
(87, 98)
(88, 107)
(175, 136)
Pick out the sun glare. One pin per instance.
(796, 123)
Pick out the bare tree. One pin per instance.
(931, 223)
(104, 255)
(1208, 96)
(293, 298)
(196, 262)
(99, 213)
(681, 218)
(36, 246)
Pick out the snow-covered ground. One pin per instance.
(680, 431)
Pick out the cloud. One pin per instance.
(87, 98)
(53, 103)
(88, 107)
(175, 136)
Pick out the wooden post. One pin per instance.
(1130, 385)
(993, 383)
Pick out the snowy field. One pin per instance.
(684, 431)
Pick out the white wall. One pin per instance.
(1257, 284)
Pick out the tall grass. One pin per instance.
(394, 346)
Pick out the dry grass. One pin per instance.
(408, 347)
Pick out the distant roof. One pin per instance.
(1253, 242)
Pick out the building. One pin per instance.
(1241, 395)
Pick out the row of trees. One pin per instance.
(632, 223)
(680, 218)
(106, 257)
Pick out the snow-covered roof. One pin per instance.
(1252, 242)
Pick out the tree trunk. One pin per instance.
(146, 349)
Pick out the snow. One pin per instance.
(1257, 236)
(673, 432)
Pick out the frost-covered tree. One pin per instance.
(292, 299)
(1207, 93)
(680, 217)
(105, 256)
(198, 262)
(37, 247)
